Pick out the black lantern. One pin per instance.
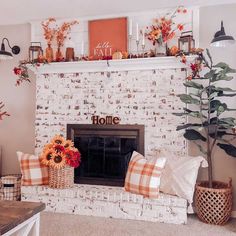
(186, 42)
(35, 52)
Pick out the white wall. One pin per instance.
(16, 131)
(210, 17)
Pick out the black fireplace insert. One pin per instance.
(105, 150)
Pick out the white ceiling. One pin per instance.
(23, 11)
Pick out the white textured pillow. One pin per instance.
(179, 176)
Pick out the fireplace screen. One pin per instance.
(106, 151)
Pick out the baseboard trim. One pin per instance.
(233, 214)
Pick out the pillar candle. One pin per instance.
(82, 48)
(137, 32)
(130, 27)
(143, 39)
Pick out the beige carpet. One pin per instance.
(73, 225)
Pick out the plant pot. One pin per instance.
(61, 178)
(214, 205)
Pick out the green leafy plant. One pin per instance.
(213, 127)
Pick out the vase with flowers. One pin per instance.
(61, 157)
(49, 33)
(164, 29)
(61, 35)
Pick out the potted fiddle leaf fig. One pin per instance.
(212, 127)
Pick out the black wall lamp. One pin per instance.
(221, 39)
(4, 55)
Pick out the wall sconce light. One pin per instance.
(221, 39)
(4, 55)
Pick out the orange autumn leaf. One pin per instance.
(63, 31)
(49, 32)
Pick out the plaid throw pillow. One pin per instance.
(143, 176)
(33, 172)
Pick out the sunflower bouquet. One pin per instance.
(60, 153)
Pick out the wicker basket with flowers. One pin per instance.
(61, 157)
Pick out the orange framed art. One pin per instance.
(107, 36)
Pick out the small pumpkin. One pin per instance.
(174, 50)
(117, 55)
(125, 55)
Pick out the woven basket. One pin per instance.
(10, 187)
(214, 205)
(61, 178)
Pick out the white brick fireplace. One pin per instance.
(139, 91)
(145, 96)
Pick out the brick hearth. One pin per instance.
(111, 202)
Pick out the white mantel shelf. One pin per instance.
(111, 65)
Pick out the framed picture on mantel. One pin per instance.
(107, 36)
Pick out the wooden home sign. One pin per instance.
(107, 120)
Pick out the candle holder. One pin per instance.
(81, 57)
(137, 44)
(130, 40)
(143, 47)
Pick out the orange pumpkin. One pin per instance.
(117, 55)
(174, 50)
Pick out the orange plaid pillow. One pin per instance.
(33, 172)
(143, 176)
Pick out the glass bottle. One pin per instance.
(49, 53)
